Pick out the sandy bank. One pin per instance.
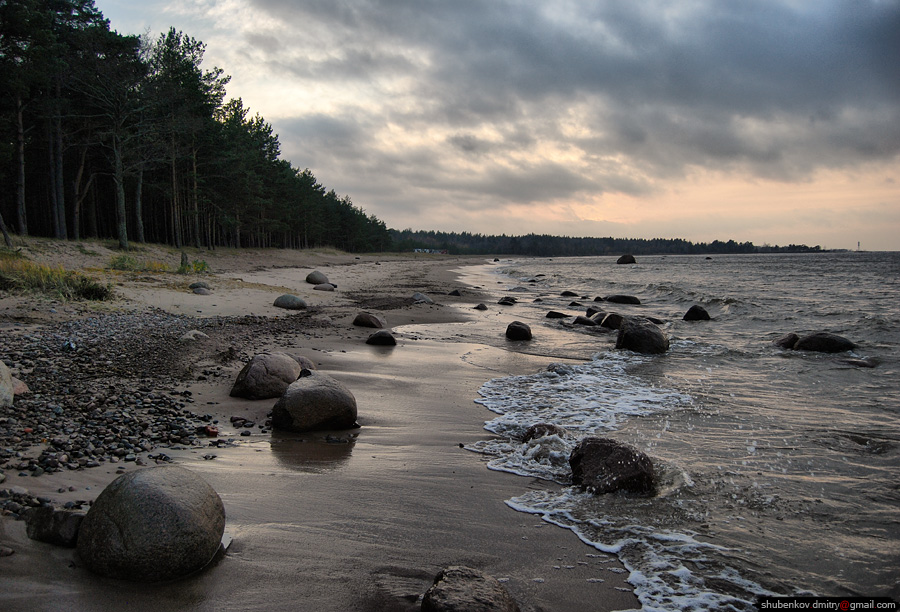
(362, 525)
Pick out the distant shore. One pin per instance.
(363, 525)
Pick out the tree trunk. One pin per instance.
(119, 178)
(195, 220)
(58, 172)
(138, 204)
(6, 238)
(22, 218)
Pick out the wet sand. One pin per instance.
(361, 525)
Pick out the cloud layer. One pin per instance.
(434, 114)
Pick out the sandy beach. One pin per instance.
(362, 525)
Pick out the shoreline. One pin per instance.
(358, 526)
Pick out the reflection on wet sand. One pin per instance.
(313, 453)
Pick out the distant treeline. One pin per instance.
(104, 135)
(562, 246)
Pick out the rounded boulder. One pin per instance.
(316, 278)
(518, 331)
(464, 589)
(315, 401)
(641, 336)
(151, 525)
(290, 302)
(266, 376)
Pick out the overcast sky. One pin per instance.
(770, 121)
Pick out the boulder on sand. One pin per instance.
(518, 331)
(382, 338)
(268, 375)
(316, 278)
(54, 525)
(290, 302)
(601, 465)
(155, 524)
(463, 589)
(367, 319)
(641, 336)
(315, 401)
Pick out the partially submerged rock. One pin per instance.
(601, 465)
(824, 342)
(267, 376)
(313, 402)
(151, 525)
(696, 313)
(518, 331)
(623, 299)
(464, 589)
(539, 430)
(626, 259)
(641, 336)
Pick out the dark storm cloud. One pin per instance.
(777, 89)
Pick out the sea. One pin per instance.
(779, 469)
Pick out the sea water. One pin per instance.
(779, 469)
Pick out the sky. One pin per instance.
(771, 121)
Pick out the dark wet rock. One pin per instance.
(54, 525)
(610, 320)
(382, 338)
(654, 320)
(266, 376)
(696, 313)
(626, 259)
(421, 298)
(507, 301)
(455, 293)
(463, 589)
(540, 430)
(481, 306)
(641, 337)
(583, 320)
(824, 342)
(199, 285)
(593, 310)
(623, 299)
(7, 392)
(568, 294)
(367, 319)
(316, 278)
(151, 525)
(290, 302)
(601, 465)
(554, 314)
(787, 341)
(518, 331)
(324, 287)
(313, 402)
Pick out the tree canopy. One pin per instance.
(113, 136)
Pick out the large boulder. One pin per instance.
(518, 331)
(609, 320)
(315, 401)
(316, 278)
(151, 525)
(787, 341)
(824, 342)
(626, 259)
(268, 375)
(7, 387)
(463, 589)
(600, 465)
(290, 302)
(367, 319)
(641, 336)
